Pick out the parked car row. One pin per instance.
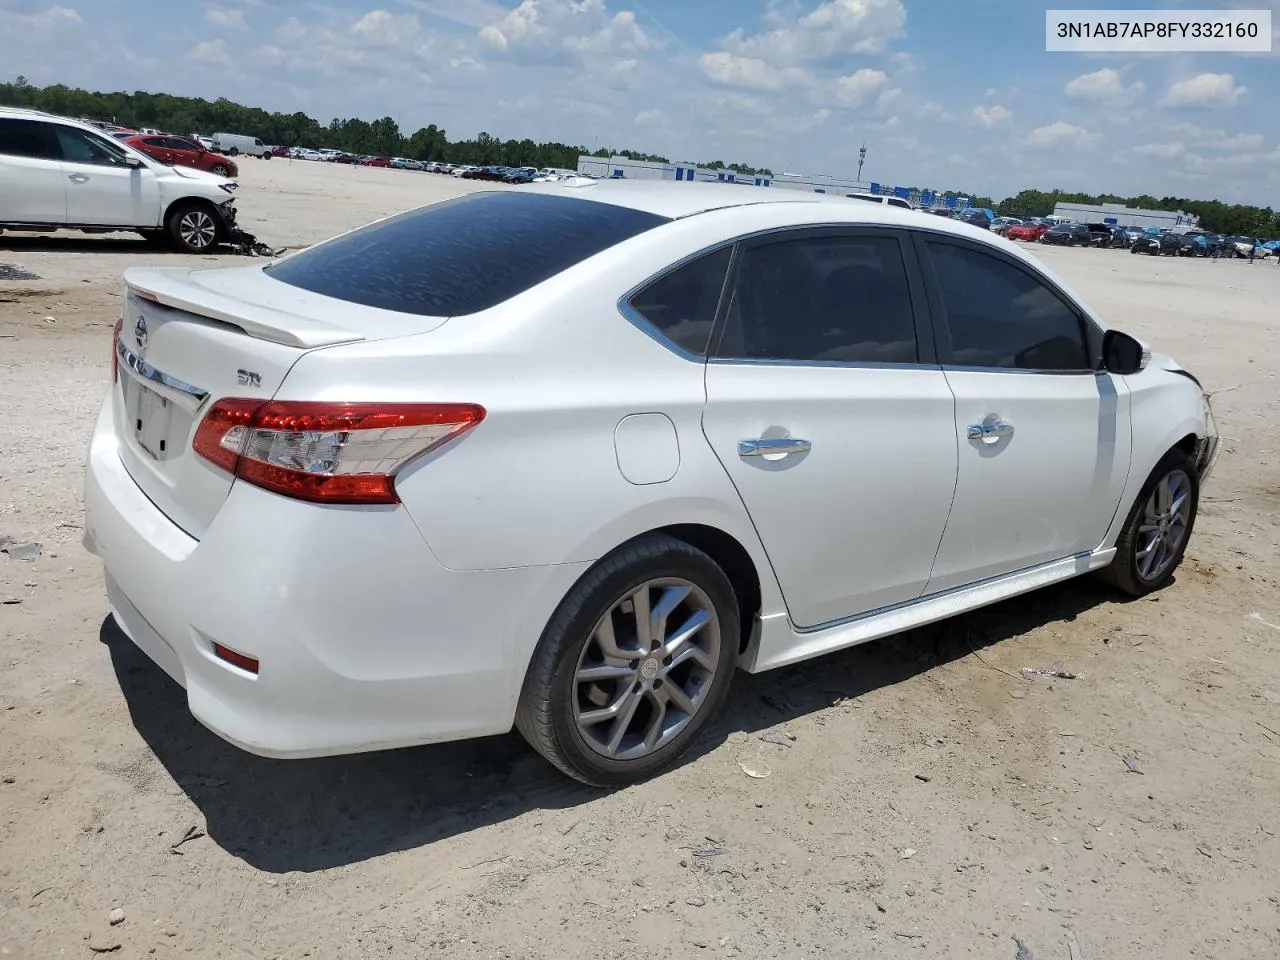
(497, 173)
(1149, 240)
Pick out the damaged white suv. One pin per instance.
(61, 174)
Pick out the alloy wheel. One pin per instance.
(646, 669)
(197, 229)
(1164, 525)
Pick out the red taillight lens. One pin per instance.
(327, 452)
(115, 351)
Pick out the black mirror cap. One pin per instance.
(1122, 354)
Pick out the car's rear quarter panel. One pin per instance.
(538, 481)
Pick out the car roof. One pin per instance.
(667, 198)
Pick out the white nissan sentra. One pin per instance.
(566, 458)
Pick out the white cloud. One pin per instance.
(53, 17)
(730, 70)
(212, 52)
(1060, 134)
(386, 29)
(854, 89)
(1205, 90)
(1163, 150)
(648, 116)
(934, 111)
(228, 19)
(1241, 141)
(991, 116)
(1103, 86)
(1218, 139)
(834, 28)
(887, 99)
(582, 27)
(469, 13)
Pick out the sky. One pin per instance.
(944, 94)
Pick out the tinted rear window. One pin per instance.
(463, 255)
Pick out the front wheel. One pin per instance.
(220, 170)
(1156, 533)
(633, 665)
(193, 228)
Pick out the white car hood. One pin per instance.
(203, 176)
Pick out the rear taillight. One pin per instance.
(327, 452)
(115, 350)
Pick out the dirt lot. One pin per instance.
(934, 802)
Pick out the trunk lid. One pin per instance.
(189, 338)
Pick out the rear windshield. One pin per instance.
(462, 255)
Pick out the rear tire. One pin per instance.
(601, 663)
(193, 227)
(233, 152)
(1158, 528)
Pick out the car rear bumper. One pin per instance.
(364, 639)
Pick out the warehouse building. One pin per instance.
(1120, 215)
(624, 168)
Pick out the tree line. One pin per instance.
(383, 137)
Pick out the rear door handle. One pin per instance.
(991, 430)
(772, 446)
(79, 178)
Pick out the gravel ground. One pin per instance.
(933, 802)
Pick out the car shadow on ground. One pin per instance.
(306, 815)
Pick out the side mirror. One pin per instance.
(1123, 354)
(133, 163)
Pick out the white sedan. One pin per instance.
(567, 457)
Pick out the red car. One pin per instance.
(179, 151)
(1031, 232)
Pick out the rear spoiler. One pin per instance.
(173, 287)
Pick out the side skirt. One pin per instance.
(778, 643)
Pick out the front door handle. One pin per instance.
(991, 430)
(772, 447)
(79, 178)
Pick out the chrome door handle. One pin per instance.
(772, 446)
(79, 178)
(991, 430)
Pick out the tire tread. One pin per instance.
(534, 717)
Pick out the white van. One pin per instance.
(888, 201)
(234, 144)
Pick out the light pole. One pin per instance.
(862, 155)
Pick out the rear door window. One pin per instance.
(828, 299)
(28, 138)
(463, 255)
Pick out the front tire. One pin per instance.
(193, 228)
(220, 170)
(1158, 528)
(634, 664)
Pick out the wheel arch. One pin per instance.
(731, 557)
(204, 202)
